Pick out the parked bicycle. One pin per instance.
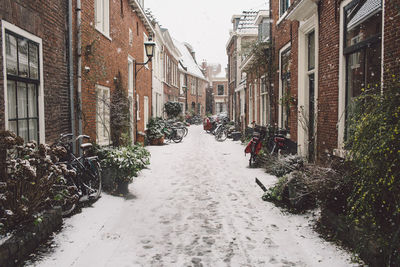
(172, 133)
(221, 131)
(85, 185)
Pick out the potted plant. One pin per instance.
(120, 165)
(154, 134)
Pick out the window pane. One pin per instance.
(311, 51)
(12, 100)
(363, 20)
(373, 64)
(23, 129)
(355, 74)
(11, 54)
(23, 57)
(12, 126)
(33, 61)
(33, 129)
(32, 101)
(22, 101)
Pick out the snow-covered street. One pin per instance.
(197, 205)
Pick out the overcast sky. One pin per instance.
(205, 24)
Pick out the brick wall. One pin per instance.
(46, 19)
(107, 58)
(328, 86)
(283, 33)
(392, 39)
(170, 91)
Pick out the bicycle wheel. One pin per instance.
(186, 131)
(91, 184)
(222, 135)
(177, 137)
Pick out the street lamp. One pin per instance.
(149, 48)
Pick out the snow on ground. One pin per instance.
(197, 205)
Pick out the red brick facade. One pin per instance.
(108, 56)
(46, 19)
(330, 82)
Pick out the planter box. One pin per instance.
(157, 142)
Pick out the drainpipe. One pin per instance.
(71, 73)
(79, 70)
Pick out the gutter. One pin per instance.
(71, 74)
(79, 70)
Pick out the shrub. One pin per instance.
(31, 181)
(122, 164)
(154, 129)
(173, 109)
(281, 166)
(374, 144)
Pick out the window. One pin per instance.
(283, 6)
(220, 89)
(146, 111)
(130, 37)
(103, 115)
(263, 30)
(138, 107)
(250, 103)
(193, 86)
(23, 84)
(102, 16)
(362, 47)
(284, 87)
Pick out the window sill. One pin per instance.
(104, 34)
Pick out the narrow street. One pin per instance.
(197, 205)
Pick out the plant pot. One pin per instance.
(122, 188)
(157, 142)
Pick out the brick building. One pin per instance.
(171, 56)
(324, 53)
(111, 37)
(220, 94)
(193, 83)
(34, 83)
(243, 34)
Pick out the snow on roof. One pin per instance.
(369, 8)
(187, 60)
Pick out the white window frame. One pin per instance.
(306, 27)
(27, 35)
(100, 138)
(264, 108)
(340, 151)
(250, 103)
(138, 107)
(256, 101)
(283, 49)
(282, 17)
(131, 96)
(102, 24)
(146, 111)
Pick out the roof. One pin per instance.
(368, 9)
(187, 60)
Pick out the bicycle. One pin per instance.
(221, 132)
(85, 185)
(171, 133)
